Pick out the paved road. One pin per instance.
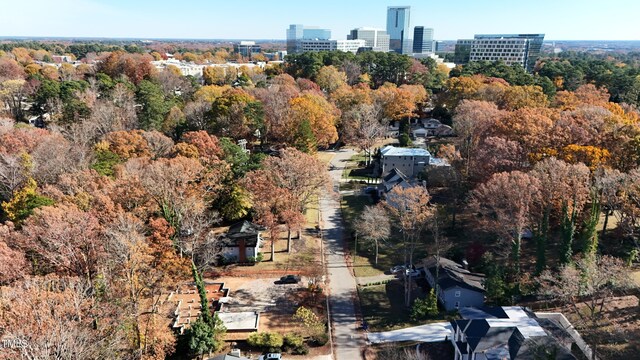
(348, 342)
(425, 333)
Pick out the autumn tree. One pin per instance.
(236, 114)
(472, 122)
(13, 93)
(318, 114)
(374, 226)
(330, 79)
(62, 322)
(67, 238)
(564, 190)
(410, 211)
(505, 205)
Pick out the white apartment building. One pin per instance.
(376, 39)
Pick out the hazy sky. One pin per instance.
(268, 19)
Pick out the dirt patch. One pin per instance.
(619, 335)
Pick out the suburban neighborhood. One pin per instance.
(221, 181)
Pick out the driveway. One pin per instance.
(347, 341)
(425, 333)
(261, 295)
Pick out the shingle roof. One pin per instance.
(242, 230)
(452, 274)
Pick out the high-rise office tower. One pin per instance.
(399, 29)
(423, 40)
(376, 39)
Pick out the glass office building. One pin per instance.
(399, 29)
(299, 32)
(423, 40)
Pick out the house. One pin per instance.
(242, 242)
(513, 333)
(188, 304)
(188, 308)
(394, 178)
(457, 286)
(410, 161)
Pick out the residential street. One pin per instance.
(348, 342)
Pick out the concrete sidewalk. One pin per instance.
(434, 332)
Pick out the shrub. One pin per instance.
(424, 308)
(320, 339)
(260, 257)
(271, 342)
(294, 343)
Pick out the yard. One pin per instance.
(618, 336)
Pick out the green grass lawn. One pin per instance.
(383, 307)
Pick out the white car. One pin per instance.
(271, 356)
(398, 269)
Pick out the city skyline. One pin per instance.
(199, 19)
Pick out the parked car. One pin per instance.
(289, 279)
(412, 273)
(369, 190)
(398, 269)
(271, 356)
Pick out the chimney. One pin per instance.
(465, 264)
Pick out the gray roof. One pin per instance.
(244, 230)
(452, 274)
(512, 333)
(396, 151)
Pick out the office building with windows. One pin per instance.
(246, 48)
(523, 49)
(298, 32)
(351, 46)
(375, 39)
(399, 29)
(423, 40)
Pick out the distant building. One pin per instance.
(462, 51)
(399, 29)
(298, 32)
(331, 45)
(246, 48)
(376, 39)
(275, 56)
(423, 40)
(523, 49)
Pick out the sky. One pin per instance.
(260, 19)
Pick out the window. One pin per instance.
(458, 293)
(457, 304)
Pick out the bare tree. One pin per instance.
(587, 287)
(362, 127)
(374, 226)
(410, 210)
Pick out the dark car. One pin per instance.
(289, 279)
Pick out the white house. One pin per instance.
(242, 242)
